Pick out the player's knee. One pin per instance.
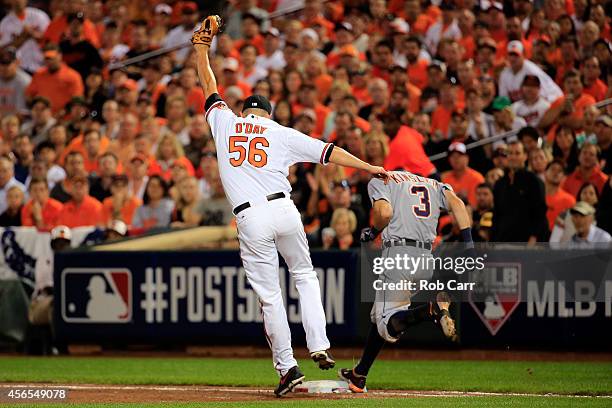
(272, 298)
(303, 274)
(383, 332)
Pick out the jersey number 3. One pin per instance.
(424, 209)
(256, 155)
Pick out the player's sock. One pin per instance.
(374, 344)
(401, 321)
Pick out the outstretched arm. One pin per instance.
(344, 158)
(208, 82)
(202, 40)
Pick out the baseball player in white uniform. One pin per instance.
(254, 155)
(406, 211)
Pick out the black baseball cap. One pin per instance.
(257, 102)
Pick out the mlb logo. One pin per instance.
(96, 295)
(497, 295)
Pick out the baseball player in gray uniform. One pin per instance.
(406, 210)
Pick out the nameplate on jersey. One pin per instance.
(249, 128)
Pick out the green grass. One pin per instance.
(493, 376)
(439, 402)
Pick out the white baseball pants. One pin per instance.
(263, 230)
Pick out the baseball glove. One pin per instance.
(209, 28)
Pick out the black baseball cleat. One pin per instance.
(288, 381)
(324, 359)
(441, 315)
(356, 383)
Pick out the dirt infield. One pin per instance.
(83, 393)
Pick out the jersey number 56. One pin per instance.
(256, 155)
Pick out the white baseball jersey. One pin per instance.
(29, 53)
(254, 156)
(510, 83)
(531, 113)
(255, 153)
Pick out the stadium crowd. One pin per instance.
(86, 140)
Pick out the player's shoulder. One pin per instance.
(214, 102)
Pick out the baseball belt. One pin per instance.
(244, 206)
(407, 242)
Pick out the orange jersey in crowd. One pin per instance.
(580, 104)
(406, 152)
(58, 87)
(574, 181)
(257, 41)
(59, 26)
(466, 184)
(597, 90)
(50, 214)
(417, 73)
(556, 204)
(88, 212)
(126, 213)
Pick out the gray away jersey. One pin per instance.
(416, 203)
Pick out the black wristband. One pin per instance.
(375, 231)
(466, 236)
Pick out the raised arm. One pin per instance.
(344, 158)
(201, 41)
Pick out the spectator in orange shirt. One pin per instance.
(465, 21)
(417, 67)
(587, 171)
(441, 116)
(593, 85)
(123, 146)
(250, 33)
(399, 79)
(344, 37)
(92, 148)
(568, 110)
(462, 178)
(307, 99)
(419, 21)
(568, 46)
(40, 211)
(121, 205)
(312, 15)
(557, 199)
(359, 85)
(406, 148)
(56, 81)
(82, 209)
(382, 59)
(59, 25)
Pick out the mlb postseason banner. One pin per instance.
(187, 297)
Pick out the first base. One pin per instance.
(323, 387)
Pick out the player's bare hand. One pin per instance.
(209, 28)
(379, 172)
